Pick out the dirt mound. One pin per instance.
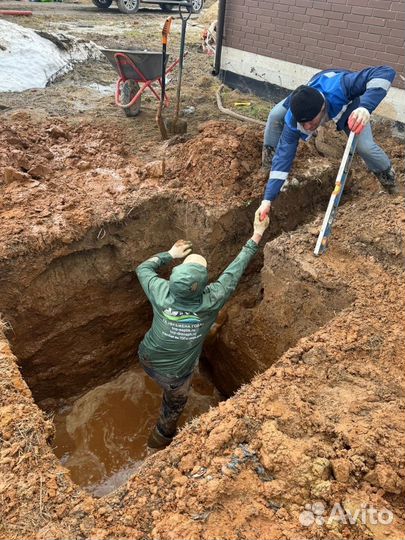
(50, 170)
(58, 179)
(220, 163)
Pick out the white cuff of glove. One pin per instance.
(265, 204)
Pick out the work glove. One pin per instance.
(358, 120)
(260, 225)
(181, 249)
(264, 209)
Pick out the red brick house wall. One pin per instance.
(350, 34)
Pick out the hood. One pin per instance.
(187, 281)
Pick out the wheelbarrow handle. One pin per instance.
(166, 29)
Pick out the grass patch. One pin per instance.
(246, 104)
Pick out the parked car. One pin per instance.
(132, 6)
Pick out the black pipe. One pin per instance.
(219, 36)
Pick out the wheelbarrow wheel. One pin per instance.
(102, 4)
(128, 6)
(128, 92)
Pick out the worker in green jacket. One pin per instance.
(184, 309)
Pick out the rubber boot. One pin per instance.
(158, 440)
(387, 180)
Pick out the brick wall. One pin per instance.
(350, 34)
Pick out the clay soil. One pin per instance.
(312, 349)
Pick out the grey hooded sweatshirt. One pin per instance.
(184, 309)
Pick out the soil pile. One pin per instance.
(57, 179)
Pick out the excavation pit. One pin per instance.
(68, 286)
(76, 314)
(74, 304)
(79, 324)
(79, 320)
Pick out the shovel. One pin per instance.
(175, 125)
(159, 118)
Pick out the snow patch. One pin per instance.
(29, 60)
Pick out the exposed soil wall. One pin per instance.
(291, 300)
(75, 307)
(295, 302)
(324, 423)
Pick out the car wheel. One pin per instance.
(196, 6)
(128, 6)
(102, 4)
(129, 90)
(167, 8)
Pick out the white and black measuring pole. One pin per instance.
(326, 229)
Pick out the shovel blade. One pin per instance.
(176, 126)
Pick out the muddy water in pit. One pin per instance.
(101, 437)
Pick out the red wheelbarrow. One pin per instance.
(138, 71)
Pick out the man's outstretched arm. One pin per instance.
(221, 290)
(280, 168)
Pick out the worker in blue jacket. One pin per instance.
(344, 97)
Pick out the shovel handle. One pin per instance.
(166, 30)
(185, 13)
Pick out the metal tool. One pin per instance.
(330, 215)
(176, 125)
(159, 118)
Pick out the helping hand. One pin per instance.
(264, 209)
(181, 249)
(260, 225)
(358, 120)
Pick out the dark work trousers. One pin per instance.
(175, 395)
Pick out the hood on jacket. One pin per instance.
(187, 281)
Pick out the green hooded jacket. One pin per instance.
(184, 309)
